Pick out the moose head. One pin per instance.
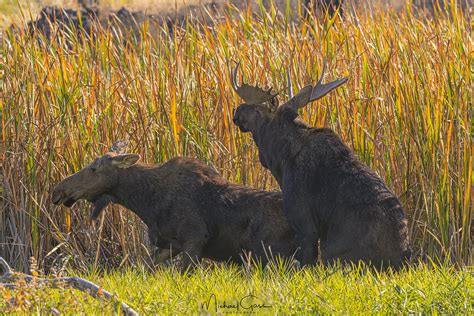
(261, 106)
(94, 181)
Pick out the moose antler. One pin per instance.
(310, 93)
(290, 88)
(120, 146)
(321, 89)
(251, 94)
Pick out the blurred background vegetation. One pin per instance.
(10, 9)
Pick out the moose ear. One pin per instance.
(272, 105)
(125, 161)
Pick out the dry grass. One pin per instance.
(405, 111)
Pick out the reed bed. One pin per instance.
(406, 111)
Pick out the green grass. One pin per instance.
(349, 290)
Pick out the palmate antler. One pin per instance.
(321, 89)
(255, 95)
(251, 94)
(310, 93)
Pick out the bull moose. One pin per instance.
(187, 206)
(328, 194)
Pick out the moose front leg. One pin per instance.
(192, 254)
(307, 240)
(193, 235)
(300, 218)
(161, 255)
(161, 249)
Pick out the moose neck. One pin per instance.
(277, 142)
(136, 189)
(270, 156)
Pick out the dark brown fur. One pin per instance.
(329, 195)
(187, 206)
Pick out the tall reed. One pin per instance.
(405, 111)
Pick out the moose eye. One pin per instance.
(93, 169)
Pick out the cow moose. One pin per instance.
(187, 206)
(328, 194)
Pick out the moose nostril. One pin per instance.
(56, 198)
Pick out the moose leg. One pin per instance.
(164, 254)
(161, 250)
(194, 236)
(155, 250)
(301, 221)
(192, 253)
(308, 244)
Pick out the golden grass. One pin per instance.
(405, 111)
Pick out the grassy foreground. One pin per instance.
(277, 289)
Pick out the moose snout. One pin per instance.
(234, 117)
(56, 196)
(61, 196)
